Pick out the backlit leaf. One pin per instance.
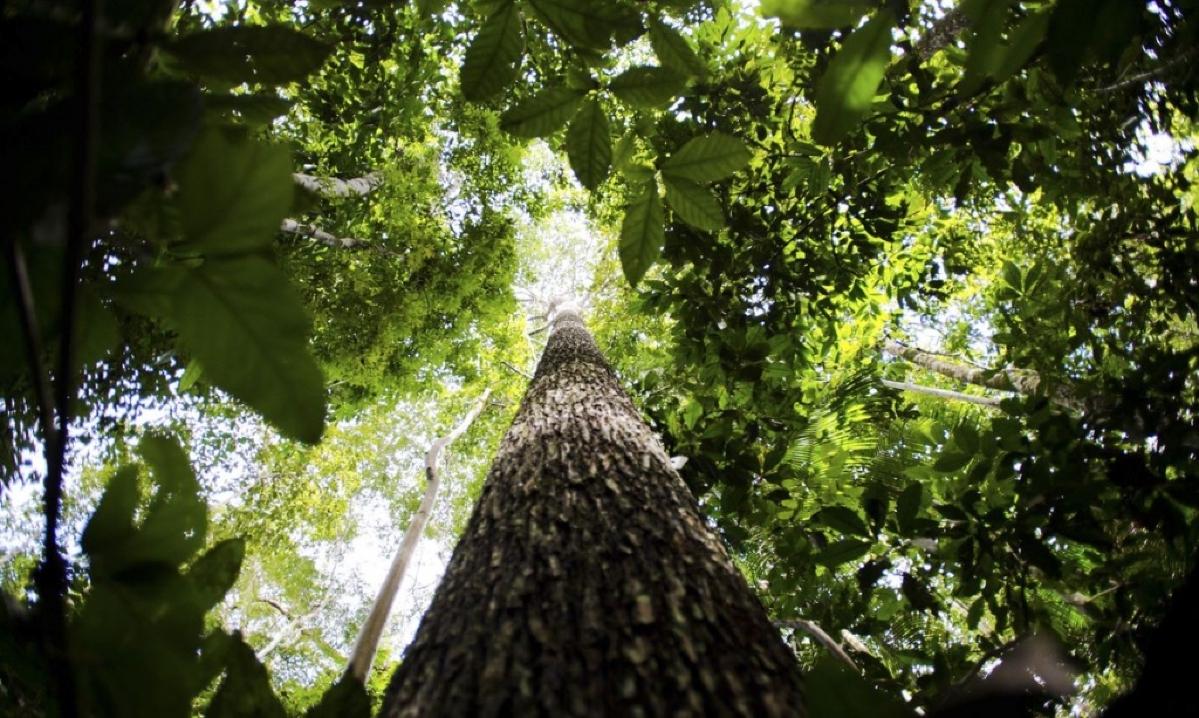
(846, 91)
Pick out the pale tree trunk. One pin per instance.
(941, 393)
(1017, 380)
(587, 581)
(368, 639)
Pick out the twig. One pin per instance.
(1148, 74)
(27, 313)
(516, 370)
(815, 631)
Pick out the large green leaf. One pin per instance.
(111, 523)
(834, 690)
(817, 14)
(177, 518)
(543, 113)
(642, 232)
(844, 551)
(586, 24)
(707, 158)
(589, 145)
(646, 86)
(246, 689)
(242, 321)
(232, 194)
(846, 91)
(249, 109)
(842, 519)
(694, 204)
(274, 54)
(213, 574)
(493, 58)
(673, 50)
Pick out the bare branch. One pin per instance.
(516, 370)
(815, 631)
(942, 393)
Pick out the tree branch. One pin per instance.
(333, 187)
(815, 631)
(311, 231)
(942, 393)
(368, 640)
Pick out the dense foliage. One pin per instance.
(910, 284)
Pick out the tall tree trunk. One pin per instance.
(587, 581)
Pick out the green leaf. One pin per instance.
(673, 50)
(177, 519)
(917, 594)
(232, 195)
(694, 204)
(543, 114)
(589, 145)
(252, 110)
(347, 698)
(213, 574)
(817, 14)
(950, 461)
(985, 44)
(707, 158)
(273, 55)
(191, 375)
(641, 233)
(112, 522)
(842, 519)
(907, 506)
(846, 91)
(834, 690)
(243, 322)
(584, 23)
(245, 691)
(493, 58)
(844, 551)
(966, 437)
(646, 86)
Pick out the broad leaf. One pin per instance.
(243, 322)
(249, 109)
(907, 506)
(246, 688)
(232, 195)
(177, 519)
(846, 91)
(112, 522)
(834, 690)
(844, 551)
(641, 233)
(842, 519)
(539, 116)
(648, 86)
(347, 698)
(673, 50)
(817, 14)
(213, 574)
(583, 23)
(694, 204)
(707, 158)
(493, 58)
(273, 55)
(589, 145)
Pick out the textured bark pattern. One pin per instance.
(587, 582)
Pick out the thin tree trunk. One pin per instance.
(1017, 380)
(368, 640)
(333, 187)
(587, 581)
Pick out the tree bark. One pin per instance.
(312, 231)
(1017, 380)
(333, 187)
(368, 640)
(587, 581)
(941, 393)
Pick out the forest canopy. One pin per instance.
(907, 288)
